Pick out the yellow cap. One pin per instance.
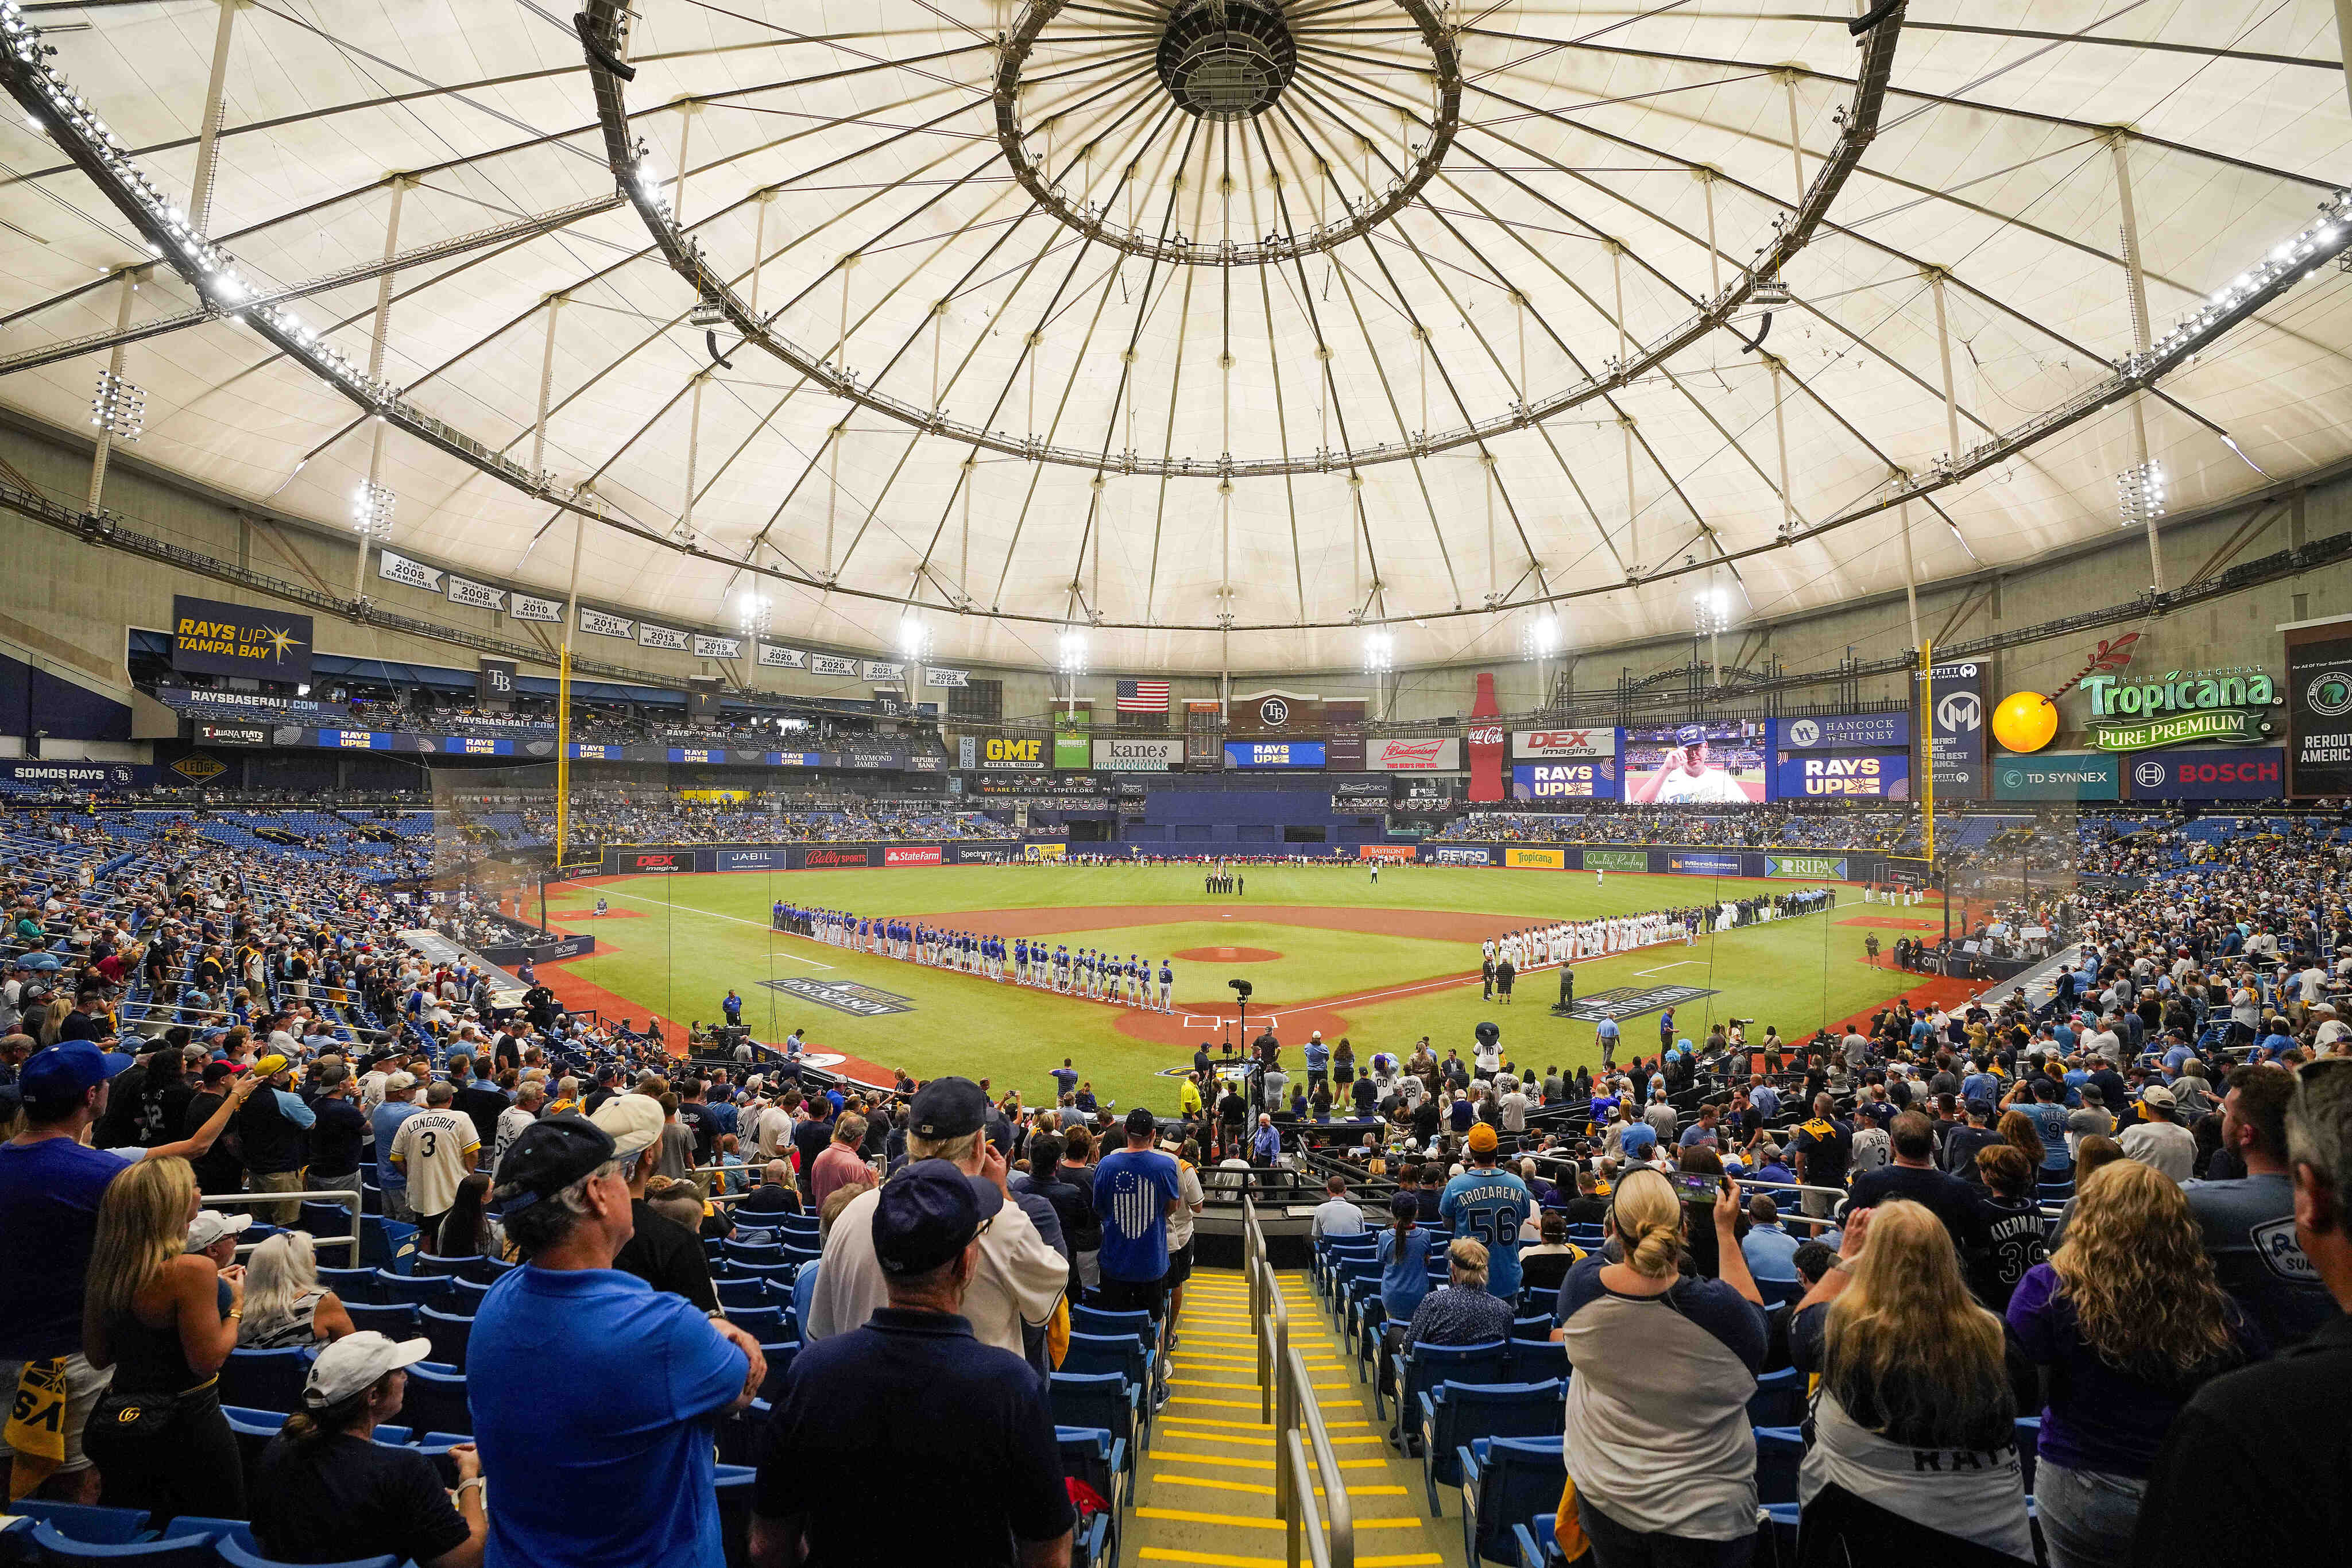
(270, 1066)
(1482, 1139)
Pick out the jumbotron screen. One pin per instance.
(1721, 764)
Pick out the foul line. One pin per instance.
(712, 914)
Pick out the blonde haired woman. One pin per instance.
(2127, 1321)
(284, 1303)
(1657, 1439)
(1910, 1366)
(164, 1319)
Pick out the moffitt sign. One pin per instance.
(2185, 706)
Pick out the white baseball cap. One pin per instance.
(354, 1361)
(635, 1122)
(210, 1225)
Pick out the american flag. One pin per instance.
(1143, 696)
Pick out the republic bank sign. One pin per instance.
(2184, 709)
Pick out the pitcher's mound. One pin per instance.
(1228, 955)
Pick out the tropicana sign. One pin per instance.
(2184, 706)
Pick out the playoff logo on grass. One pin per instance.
(842, 996)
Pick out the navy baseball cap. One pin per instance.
(929, 1212)
(63, 1073)
(1691, 735)
(947, 1108)
(548, 1156)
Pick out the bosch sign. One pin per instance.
(2257, 775)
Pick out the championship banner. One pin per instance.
(774, 658)
(596, 623)
(2319, 710)
(1519, 859)
(946, 679)
(1433, 755)
(1955, 733)
(400, 568)
(529, 607)
(888, 675)
(1564, 781)
(1276, 715)
(718, 647)
(1137, 756)
(475, 595)
(652, 636)
(828, 664)
(212, 638)
(1878, 777)
(1599, 744)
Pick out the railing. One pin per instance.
(1286, 1399)
(348, 1195)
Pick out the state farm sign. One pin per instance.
(1433, 755)
(1576, 742)
(911, 854)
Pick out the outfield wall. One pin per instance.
(1794, 864)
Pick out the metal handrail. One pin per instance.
(1286, 1400)
(324, 1195)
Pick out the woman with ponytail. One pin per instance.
(327, 1492)
(1657, 1441)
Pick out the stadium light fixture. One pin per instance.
(753, 613)
(2139, 493)
(1380, 652)
(120, 408)
(1539, 636)
(372, 507)
(1711, 610)
(914, 640)
(1070, 652)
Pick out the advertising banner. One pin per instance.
(475, 595)
(1024, 754)
(1718, 764)
(1045, 851)
(1845, 732)
(946, 679)
(1955, 732)
(828, 857)
(774, 658)
(1806, 868)
(477, 745)
(588, 751)
(529, 607)
(2235, 774)
(212, 637)
(1356, 794)
(657, 860)
(233, 734)
(2319, 710)
(1117, 756)
(1535, 859)
(1274, 754)
(829, 664)
(1398, 755)
(2055, 776)
(771, 858)
(718, 647)
(1883, 777)
(1616, 860)
(394, 567)
(982, 855)
(1344, 744)
(1697, 866)
(1568, 743)
(1072, 750)
(81, 775)
(2184, 708)
(596, 623)
(705, 754)
(870, 759)
(913, 854)
(1385, 851)
(652, 636)
(1564, 781)
(355, 740)
(195, 767)
(1487, 745)
(1457, 854)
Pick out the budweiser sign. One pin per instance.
(1433, 755)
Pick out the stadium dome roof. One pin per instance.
(1221, 326)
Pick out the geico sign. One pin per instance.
(1001, 751)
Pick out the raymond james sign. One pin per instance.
(2185, 706)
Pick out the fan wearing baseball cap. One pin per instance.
(1686, 777)
(911, 1391)
(1493, 1206)
(1021, 1274)
(611, 1461)
(326, 1492)
(50, 1186)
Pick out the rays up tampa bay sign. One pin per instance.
(2183, 707)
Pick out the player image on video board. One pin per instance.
(1696, 765)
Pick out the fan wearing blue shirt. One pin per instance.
(614, 1467)
(1135, 1192)
(1491, 1207)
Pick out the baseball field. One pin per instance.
(1322, 946)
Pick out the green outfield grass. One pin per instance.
(678, 943)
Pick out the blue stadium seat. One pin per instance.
(233, 1555)
(1090, 1454)
(396, 1322)
(1423, 1368)
(189, 1524)
(746, 1291)
(1456, 1415)
(1094, 1319)
(1103, 1399)
(1505, 1481)
(423, 1290)
(449, 1333)
(437, 1400)
(351, 1285)
(763, 1324)
(264, 1379)
(1779, 1399)
(1778, 1451)
(465, 1295)
(1536, 1546)
(734, 1485)
(1533, 1361)
(780, 1357)
(52, 1546)
(91, 1526)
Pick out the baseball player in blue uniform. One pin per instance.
(1166, 984)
